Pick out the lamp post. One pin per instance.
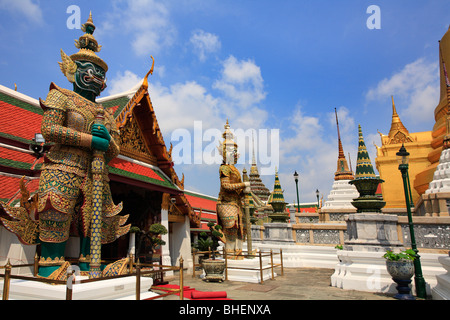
(37, 146)
(317, 195)
(403, 159)
(296, 187)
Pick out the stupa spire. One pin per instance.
(366, 182)
(364, 168)
(256, 185)
(277, 194)
(253, 167)
(276, 200)
(342, 172)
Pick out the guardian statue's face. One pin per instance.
(231, 155)
(90, 77)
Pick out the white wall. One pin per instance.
(180, 243)
(16, 252)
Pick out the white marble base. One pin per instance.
(301, 256)
(366, 271)
(362, 271)
(442, 290)
(254, 275)
(113, 289)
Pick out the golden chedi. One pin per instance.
(423, 178)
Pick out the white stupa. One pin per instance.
(342, 192)
(441, 177)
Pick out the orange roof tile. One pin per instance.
(209, 216)
(134, 168)
(14, 155)
(10, 187)
(197, 201)
(13, 120)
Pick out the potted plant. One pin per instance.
(204, 244)
(339, 247)
(153, 236)
(214, 268)
(400, 267)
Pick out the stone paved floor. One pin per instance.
(295, 284)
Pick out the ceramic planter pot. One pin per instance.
(402, 269)
(214, 269)
(278, 206)
(366, 187)
(367, 200)
(401, 272)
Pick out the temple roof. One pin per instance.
(204, 206)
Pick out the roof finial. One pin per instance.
(145, 83)
(394, 111)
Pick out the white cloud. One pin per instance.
(27, 8)
(304, 144)
(148, 22)
(307, 132)
(179, 105)
(416, 86)
(241, 82)
(123, 82)
(185, 104)
(204, 43)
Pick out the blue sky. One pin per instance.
(279, 66)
